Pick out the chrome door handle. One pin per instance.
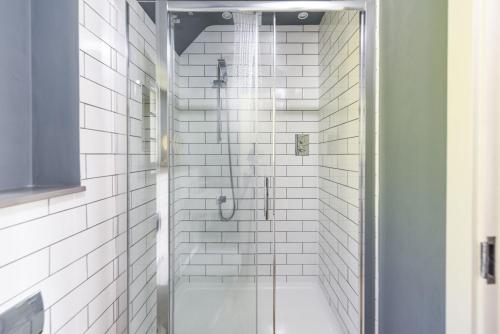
(266, 199)
(488, 260)
(158, 222)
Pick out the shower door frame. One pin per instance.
(368, 134)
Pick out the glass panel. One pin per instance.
(142, 163)
(265, 171)
(213, 159)
(258, 177)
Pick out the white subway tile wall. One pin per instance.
(209, 249)
(74, 248)
(339, 127)
(142, 175)
(296, 71)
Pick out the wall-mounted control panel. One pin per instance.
(24, 318)
(301, 144)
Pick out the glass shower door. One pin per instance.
(220, 156)
(139, 181)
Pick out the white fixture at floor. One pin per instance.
(226, 309)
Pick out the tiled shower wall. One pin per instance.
(339, 127)
(74, 248)
(214, 250)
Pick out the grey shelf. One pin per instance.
(33, 194)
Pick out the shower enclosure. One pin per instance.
(220, 160)
(253, 130)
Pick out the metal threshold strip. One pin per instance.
(265, 6)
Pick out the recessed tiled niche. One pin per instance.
(39, 95)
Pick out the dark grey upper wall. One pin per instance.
(413, 54)
(39, 93)
(55, 93)
(150, 8)
(15, 94)
(192, 24)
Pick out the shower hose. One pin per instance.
(221, 200)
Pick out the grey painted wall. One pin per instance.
(39, 93)
(15, 94)
(413, 56)
(55, 63)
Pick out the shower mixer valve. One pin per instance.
(301, 144)
(221, 199)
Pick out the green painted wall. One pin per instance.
(413, 53)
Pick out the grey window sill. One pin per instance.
(33, 194)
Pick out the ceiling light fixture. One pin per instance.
(227, 15)
(303, 15)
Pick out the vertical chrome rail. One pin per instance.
(266, 198)
(273, 162)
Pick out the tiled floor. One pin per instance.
(230, 309)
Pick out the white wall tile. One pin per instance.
(63, 311)
(142, 196)
(14, 278)
(337, 258)
(20, 213)
(53, 246)
(39, 233)
(78, 324)
(304, 37)
(101, 303)
(73, 248)
(92, 45)
(95, 95)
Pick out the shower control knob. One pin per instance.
(221, 199)
(301, 144)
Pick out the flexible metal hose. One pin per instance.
(219, 82)
(221, 215)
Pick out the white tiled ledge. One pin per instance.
(33, 194)
(234, 104)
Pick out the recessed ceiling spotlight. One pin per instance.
(227, 15)
(303, 15)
